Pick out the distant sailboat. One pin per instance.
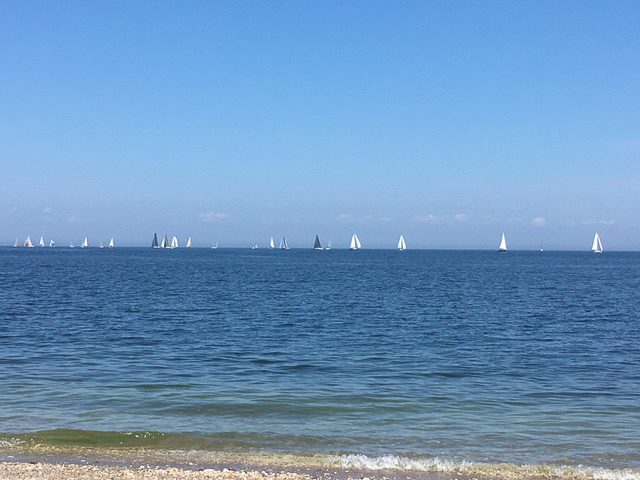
(16, 244)
(328, 247)
(111, 244)
(71, 245)
(316, 244)
(154, 242)
(215, 247)
(41, 244)
(355, 243)
(542, 245)
(85, 243)
(28, 242)
(255, 246)
(165, 242)
(272, 245)
(283, 244)
(52, 243)
(597, 244)
(174, 242)
(101, 245)
(189, 243)
(402, 245)
(503, 244)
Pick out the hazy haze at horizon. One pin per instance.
(448, 122)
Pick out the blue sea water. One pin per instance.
(416, 360)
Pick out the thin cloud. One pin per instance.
(461, 217)
(213, 217)
(598, 222)
(344, 217)
(538, 222)
(426, 218)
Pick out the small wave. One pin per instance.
(496, 471)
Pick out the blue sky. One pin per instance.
(448, 122)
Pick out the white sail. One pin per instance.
(28, 242)
(402, 245)
(271, 243)
(71, 245)
(597, 244)
(189, 243)
(163, 243)
(101, 245)
(255, 246)
(41, 242)
(283, 244)
(111, 244)
(503, 244)
(542, 245)
(355, 243)
(328, 247)
(214, 246)
(85, 243)
(174, 242)
(52, 243)
(16, 244)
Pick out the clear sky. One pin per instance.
(233, 121)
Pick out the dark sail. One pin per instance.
(316, 245)
(154, 244)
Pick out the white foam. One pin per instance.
(499, 471)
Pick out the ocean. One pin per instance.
(450, 362)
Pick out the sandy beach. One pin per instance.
(19, 470)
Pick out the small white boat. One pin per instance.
(355, 243)
(28, 243)
(189, 242)
(283, 244)
(503, 244)
(16, 244)
(111, 244)
(542, 245)
(85, 243)
(316, 244)
(165, 242)
(41, 244)
(597, 244)
(214, 246)
(52, 243)
(174, 242)
(402, 245)
(101, 245)
(272, 244)
(71, 245)
(328, 247)
(255, 246)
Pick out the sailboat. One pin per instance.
(71, 245)
(41, 244)
(101, 245)
(16, 244)
(402, 245)
(272, 245)
(111, 244)
(542, 245)
(52, 243)
(597, 244)
(355, 243)
(215, 247)
(28, 242)
(316, 244)
(174, 242)
(165, 242)
(189, 243)
(283, 244)
(328, 247)
(154, 242)
(255, 246)
(85, 243)
(503, 244)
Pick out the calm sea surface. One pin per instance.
(420, 360)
